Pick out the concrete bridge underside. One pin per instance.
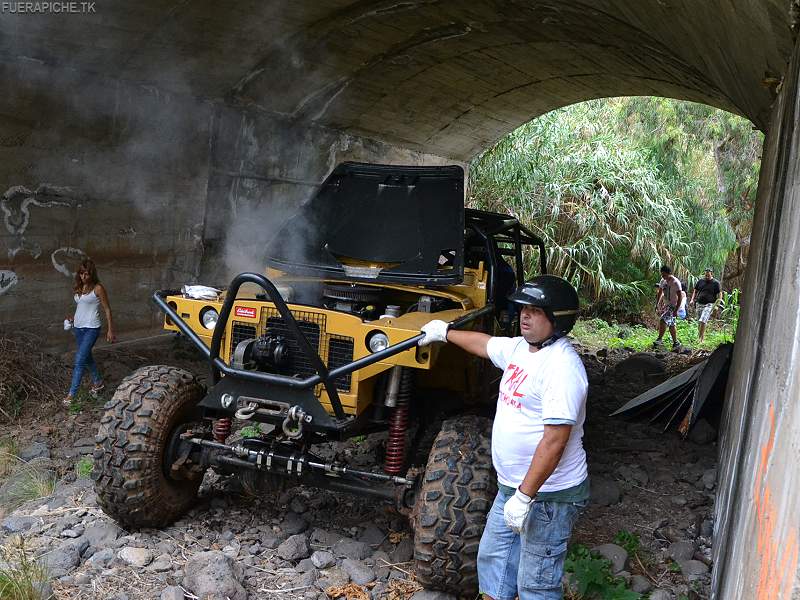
(168, 139)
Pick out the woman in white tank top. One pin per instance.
(90, 296)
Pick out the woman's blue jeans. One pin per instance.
(86, 337)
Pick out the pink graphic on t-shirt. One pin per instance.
(516, 377)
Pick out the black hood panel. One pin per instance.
(409, 219)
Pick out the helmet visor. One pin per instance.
(531, 295)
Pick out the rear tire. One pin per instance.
(129, 469)
(458, 487)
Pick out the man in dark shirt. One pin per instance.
(707, 292)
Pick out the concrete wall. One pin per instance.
(100, 168)
(136, 179)
(758, 508)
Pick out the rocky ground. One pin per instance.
(306, 543)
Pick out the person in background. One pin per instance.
(707, 292)
(681, 314)
(668, 300)
(537, 448)
(90, 296)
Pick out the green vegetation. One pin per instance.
(617, 187)
(250, 431)
(8, 456)
(597, 333)
(84, 467)
(28, 481)
(22, 481)
(21, 577)
(627, 540)
(84, 399)
(729, 308)
(591, 577)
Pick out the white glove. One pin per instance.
(435, 331)
(516, 509)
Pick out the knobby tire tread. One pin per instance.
(458, 488)
(128, 472)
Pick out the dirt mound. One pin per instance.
(31, 380)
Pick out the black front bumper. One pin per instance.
(275, 388)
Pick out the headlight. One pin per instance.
(208, 317)
(377, 341)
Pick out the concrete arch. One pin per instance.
(453, 80)
(435, 76)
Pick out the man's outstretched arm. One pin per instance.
(473, 342)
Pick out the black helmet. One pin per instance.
(555, 296)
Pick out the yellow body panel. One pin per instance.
(250, 317)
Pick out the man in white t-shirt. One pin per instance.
(536, 442)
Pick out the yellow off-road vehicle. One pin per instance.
(323, 347)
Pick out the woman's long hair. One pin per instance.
(87, 265)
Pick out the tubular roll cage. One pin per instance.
(492, 228)
(323, 375)
(495, 229)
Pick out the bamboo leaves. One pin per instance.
(617, 187)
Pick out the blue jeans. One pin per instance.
(86, 337)
(531, 564)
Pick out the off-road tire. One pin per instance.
(129, 475)
(457, 490)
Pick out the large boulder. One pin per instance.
(65, 557)
(616, 555)
(294, 547)
(214, 576)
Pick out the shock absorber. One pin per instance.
(398, 422)
(221, 429)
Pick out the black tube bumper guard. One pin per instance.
(300, 389)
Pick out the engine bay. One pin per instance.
(369, 303)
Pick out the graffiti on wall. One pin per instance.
(66, 260)
(15, 206)
(8, 279)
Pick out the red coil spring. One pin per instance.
(396, 444)
(222, 429)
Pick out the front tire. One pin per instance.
(458, 487)
(129, 471)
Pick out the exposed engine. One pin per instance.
(367, 302)
(360, 300)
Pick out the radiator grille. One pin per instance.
(241, 332)
(335, 350)
(340, 353)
